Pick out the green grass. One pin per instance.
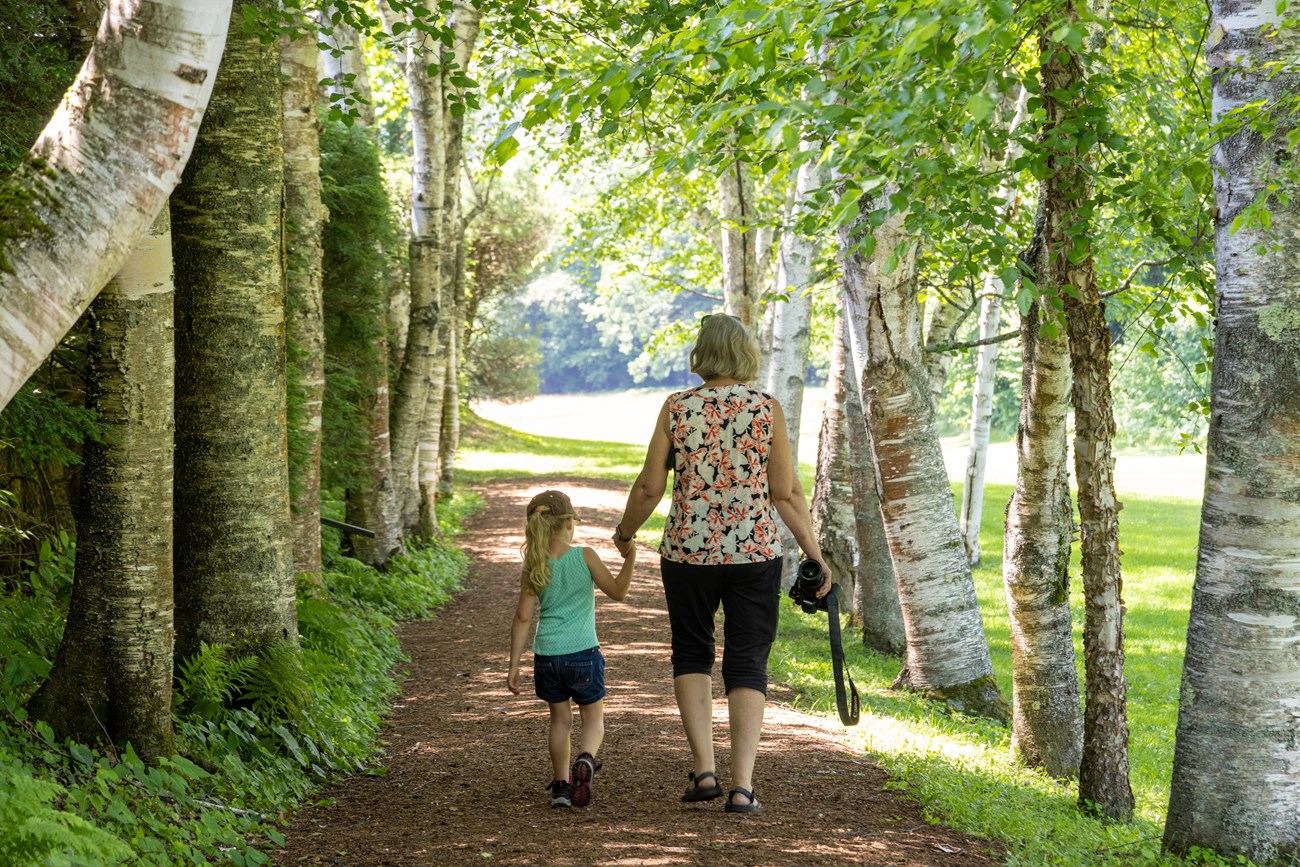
(960, 768)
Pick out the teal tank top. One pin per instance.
(568, 620)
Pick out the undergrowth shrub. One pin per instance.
(255, 734)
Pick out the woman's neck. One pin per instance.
(718, 381)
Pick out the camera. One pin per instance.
(808, 578)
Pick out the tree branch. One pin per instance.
(953, 347)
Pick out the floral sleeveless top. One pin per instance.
(721, 513)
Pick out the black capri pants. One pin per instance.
(749, 594)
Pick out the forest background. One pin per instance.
(432, 203)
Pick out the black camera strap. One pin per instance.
(848, 709)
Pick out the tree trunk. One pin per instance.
(883, 629)
(304, 215)
(986, 360)
(346, 71)
(1235, 785)
(1103, 773)
(232, 487)
(411, 396)
(832, 501)
(947, 654)
(112, 679)
(101, 171)
(1046, 721)
(738, 215)
(945, 316)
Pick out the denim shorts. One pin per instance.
(579, 676)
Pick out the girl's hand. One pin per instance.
(512, 680)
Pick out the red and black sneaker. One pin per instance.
(584, 769)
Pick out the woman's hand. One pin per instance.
(512, 680)
(624, 544)
(827, 580)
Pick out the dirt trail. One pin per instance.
(467, 762)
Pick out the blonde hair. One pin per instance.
(539, 532)
(725, 347)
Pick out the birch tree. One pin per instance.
(947, 654)
(1046, 721)
(415, 387)
(986, 359)
(738, 240)
(232, 490)
(101, 170)
(112, 677)
(1103, 772)
(1236, 785)
(304, 215)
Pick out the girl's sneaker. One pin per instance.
(561, 793)
(584, 769)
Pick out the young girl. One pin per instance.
(567, 663)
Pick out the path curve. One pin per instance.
(467, 762)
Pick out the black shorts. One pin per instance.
(749, 594)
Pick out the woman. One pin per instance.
(727, 446)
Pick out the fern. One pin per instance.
(34, 832)
(277, 686)
(210, 680)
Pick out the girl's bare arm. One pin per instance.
(613, 586)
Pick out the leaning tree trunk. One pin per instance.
(304, 215)
(947, 654)
(1046, 722)
(739, 218)
(112, 679)
(986, 360)
(232, 486)
(414, 385)
(102, 170)
(1103, 773)
(1236, 778)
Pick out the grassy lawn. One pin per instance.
(960, 767)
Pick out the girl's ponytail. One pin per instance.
(538, 533)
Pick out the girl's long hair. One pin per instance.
(538, 534)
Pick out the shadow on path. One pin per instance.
(467, 761)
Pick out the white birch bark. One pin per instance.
(112, 678)
(102, 170)
(1046, 720)
(986, 359)
(346, 71)
(411, 394)
(1104, 786)
(947, 654)
(1236, 777)
(304, 218)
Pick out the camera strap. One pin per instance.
(848, 709)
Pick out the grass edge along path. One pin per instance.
(960, 768)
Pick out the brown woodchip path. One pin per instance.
(467, 761)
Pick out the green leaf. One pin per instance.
(979, 105)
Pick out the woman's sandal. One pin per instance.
(696, 792)
(753, 807)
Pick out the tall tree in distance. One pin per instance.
(1067, 195)
(738, 213)
(1235, 787)
(236, 586)
(112, 678)
(102, 170)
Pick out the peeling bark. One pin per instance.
(947, 654)
(1236, 777)
(739, 244)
